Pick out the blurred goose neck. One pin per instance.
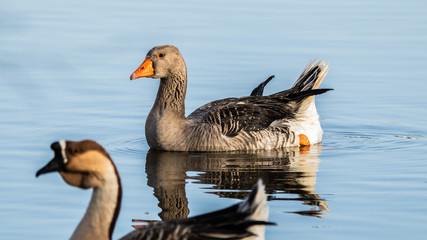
(101, 215)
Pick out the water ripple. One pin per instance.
(129, 146)
(384, 141)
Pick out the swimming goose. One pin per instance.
(86, 164)
(284, 119)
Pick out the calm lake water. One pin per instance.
(64, 74)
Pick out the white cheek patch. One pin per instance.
(63, 144)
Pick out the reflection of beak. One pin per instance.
(145, 70)
(52, 166)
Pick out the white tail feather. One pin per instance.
(311, 80)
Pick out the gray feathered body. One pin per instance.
(246, 123)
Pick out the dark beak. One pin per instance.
(52, 166)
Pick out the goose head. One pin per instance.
(84, 164)
(161, 62)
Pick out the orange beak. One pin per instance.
(145, 70)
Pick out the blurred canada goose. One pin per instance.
(86, 164)
(284, 119)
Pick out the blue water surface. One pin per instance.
(64, 74)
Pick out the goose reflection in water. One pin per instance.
(284, 172)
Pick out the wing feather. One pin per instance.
(249, 114)
(252, 113)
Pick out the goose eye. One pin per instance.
(161, 55)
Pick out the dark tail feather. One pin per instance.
(307, 93)
(305, 98)
(258, 91)
(310, 78)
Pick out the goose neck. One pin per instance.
(101, 215)
(171, 95)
